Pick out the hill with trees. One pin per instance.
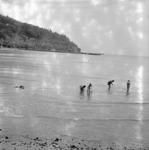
(14, 34)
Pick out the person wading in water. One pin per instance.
(128, 86)
(89, 89)
(109, 84)
(82, 87)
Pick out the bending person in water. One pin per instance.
(109, 84)
(128, 86)
(82, 87)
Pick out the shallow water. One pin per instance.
(51, 103)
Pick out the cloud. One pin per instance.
(12, 2)
(96, 25)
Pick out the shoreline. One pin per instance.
(82, 53)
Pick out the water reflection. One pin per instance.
(9, 111)
(140, 123)
(44, 84)
(71, 107)
(70, 125)
(16, 71)
(139, 85)
(89, 94)
(69, 128)
(58, 86)
(85, 66)
(54, 58)
(47, 65)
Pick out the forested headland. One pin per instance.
(14, 34)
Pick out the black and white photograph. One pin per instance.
(74, 74)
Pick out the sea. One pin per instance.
(51, 103)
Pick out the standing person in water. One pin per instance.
(89, 89)
(109, 84)
(128, 86)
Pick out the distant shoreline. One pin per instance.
(92, 53)
(82, 53)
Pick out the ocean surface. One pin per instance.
(51, 103)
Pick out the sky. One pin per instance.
(107, 26)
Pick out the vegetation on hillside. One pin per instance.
(15, 34)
